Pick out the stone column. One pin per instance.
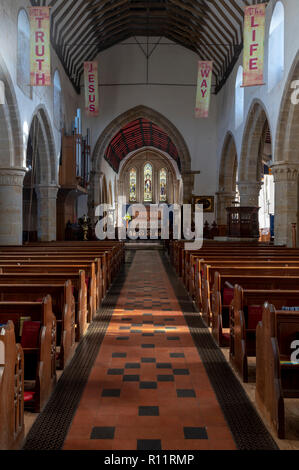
(249, 193)
(46, 212)
(11, 206)
(224, 200)
(286, 201)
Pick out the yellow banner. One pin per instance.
(254, 35)
(40, 53)
(91, 88)
(203, 94)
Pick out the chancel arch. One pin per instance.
(155, 131)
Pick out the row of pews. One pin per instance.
(248, 295)
(48, 295)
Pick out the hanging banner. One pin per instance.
(203, 93)
(40, 53)
(254, 35)
(91, 82)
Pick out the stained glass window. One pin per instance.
(148, 183)
(163, 185)
(133, 178)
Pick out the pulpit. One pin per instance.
(243, 222)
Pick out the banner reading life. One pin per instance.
(203, 93)
(40, 54)
(254, 35)
(91, 88)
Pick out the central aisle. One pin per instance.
(148, 388)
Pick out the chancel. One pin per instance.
(149, 210)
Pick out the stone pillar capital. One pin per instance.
(46, 191)
(12, 176)
(285, 171)
(249, 193)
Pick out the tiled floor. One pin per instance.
(148, 388)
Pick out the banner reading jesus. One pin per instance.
(254, 35)
(91, 88)
(203, 94)
(40, 54)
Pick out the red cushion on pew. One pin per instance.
(87, 281)
(30, 334)
(255, 313)
(28, 396)
(226, 336)
(228, 295)
(40, 299)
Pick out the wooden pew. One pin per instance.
(223, 293)
(11, 389)
(63, 305)
(40, 360)
(277, 377)
(77, 280)
(244, 322)
(46, 267)
(250, 270)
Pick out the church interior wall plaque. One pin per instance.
(206, 201)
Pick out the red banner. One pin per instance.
(91, 88)
(40, 53)
(253, 55)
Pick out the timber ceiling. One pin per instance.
(80, 29)
(135, 135)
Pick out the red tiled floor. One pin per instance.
(147, 290)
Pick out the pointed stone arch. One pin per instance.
(286, 161)
(250, 167)
(157, 118)
(227, 178)
(12, 168)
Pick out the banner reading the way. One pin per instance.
(91, 88)
(203, 93)
(254, 35)
(40, 54)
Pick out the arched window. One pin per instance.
(57, 101)
(23, 59)
(276, 47)
(133, 181)
(239, 98)
(148, 183)
(163, 185)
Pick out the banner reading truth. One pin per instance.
(203, 94)
(254, 35)
(91, 88)
(40, 55)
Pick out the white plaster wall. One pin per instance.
(270, 100)
(41, 96)
(126, 64)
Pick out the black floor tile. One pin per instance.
(163, 365)
(148, 385)
(148, 334)
(148, 411)
(181, 371)
(165, 378)
(113, 392)
(131, 378)
(149, 444)
(148, 359)
(132, 365)
(122, 337)
(177, 355)
(173, 338)
(115, 371)
(136, 331)
(119, 354)
(102, 433)
(186, 393)
(195, 433)
(147, 346)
